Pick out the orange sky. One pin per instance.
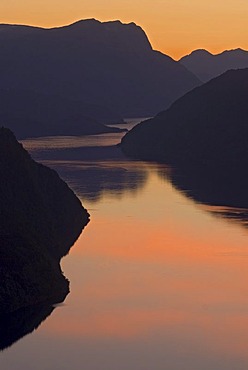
(174, 27)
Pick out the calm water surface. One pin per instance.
(157, 281)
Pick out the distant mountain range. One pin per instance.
(206, 65)
(109, 64)
(71, 80)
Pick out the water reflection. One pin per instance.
(15, 325)
(90, 170)
(223, 195)
(91, 165)
(156, 282)
(52, 143)
(94, 166)
(91, 180)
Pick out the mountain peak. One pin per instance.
(94, 21)
(197, 53)
(237, 51)
(123, 35)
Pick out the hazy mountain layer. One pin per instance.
(206, 65)
(31, 114)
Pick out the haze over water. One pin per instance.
(157, 281)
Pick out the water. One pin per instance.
(158, 281)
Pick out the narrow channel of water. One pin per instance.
(157, 280)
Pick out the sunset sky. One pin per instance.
(175, 27)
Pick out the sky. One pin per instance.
(175, 27)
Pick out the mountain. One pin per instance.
(32, 114)
(203, 134)
(40, 219)
(206, 65)
(109, 64)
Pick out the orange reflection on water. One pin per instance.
(142, 241)
(157, 266)
(114, 324)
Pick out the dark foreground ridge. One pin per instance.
(204, 136)
(40, 219)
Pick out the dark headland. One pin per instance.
(40, 219)
(204, 137)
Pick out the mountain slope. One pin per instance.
(110, 64)
(206, 127)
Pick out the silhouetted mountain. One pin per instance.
(204, 134)
(31, 114)
(110, 64)
(206, 65)
(40, 219)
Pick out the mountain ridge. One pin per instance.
(206, 65)
(106, 63)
